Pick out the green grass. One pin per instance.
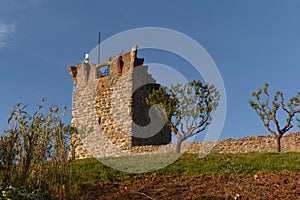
(190, 164)
(91, 170)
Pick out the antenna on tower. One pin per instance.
(99, 48)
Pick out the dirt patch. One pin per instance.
(280, 185)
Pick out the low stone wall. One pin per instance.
(289, 142)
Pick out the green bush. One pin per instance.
(34, 154)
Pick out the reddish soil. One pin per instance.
(280, 185)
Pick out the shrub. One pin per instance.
(34, 153)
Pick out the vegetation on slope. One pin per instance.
(91, 170)
(216, 176)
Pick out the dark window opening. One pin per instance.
(103, 71)
(120, 65)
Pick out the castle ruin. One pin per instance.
(109, 103)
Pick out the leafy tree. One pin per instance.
(268, 111)
(187, 108)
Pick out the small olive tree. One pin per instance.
(268, 111)
(187, 108)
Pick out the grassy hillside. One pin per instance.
(216, 176)
(91, 170)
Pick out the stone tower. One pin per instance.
(109, 107)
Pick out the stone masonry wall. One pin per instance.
(103, 107)
(89, 140)
(113, 103)
(289, 143)
(81, 112)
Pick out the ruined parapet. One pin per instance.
(104, 102)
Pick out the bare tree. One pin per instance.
(268, 111)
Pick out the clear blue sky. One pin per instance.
(251, 42)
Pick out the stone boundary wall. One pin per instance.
(289, 143)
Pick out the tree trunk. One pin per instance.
(278, 141)
(178, 144)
